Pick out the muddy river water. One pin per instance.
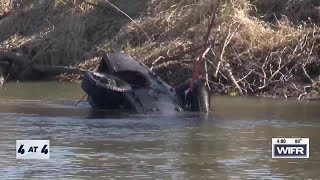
(232, 142)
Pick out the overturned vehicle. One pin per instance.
(122, 82)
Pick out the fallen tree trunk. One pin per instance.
(57, 70)
(15, 67)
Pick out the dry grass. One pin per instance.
(253, 37)
(184, 23)
(67, 31)
(50, 32)
(58, 32)
(244, 37)
(4, 6)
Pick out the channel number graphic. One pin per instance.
(33, 149)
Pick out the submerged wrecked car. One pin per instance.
(122, 82)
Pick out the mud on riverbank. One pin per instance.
(268, 48)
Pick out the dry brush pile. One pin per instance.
(259, 47)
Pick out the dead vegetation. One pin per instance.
(257, 47)
(59, 32)
(254, 51)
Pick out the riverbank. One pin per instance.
(264, 48)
